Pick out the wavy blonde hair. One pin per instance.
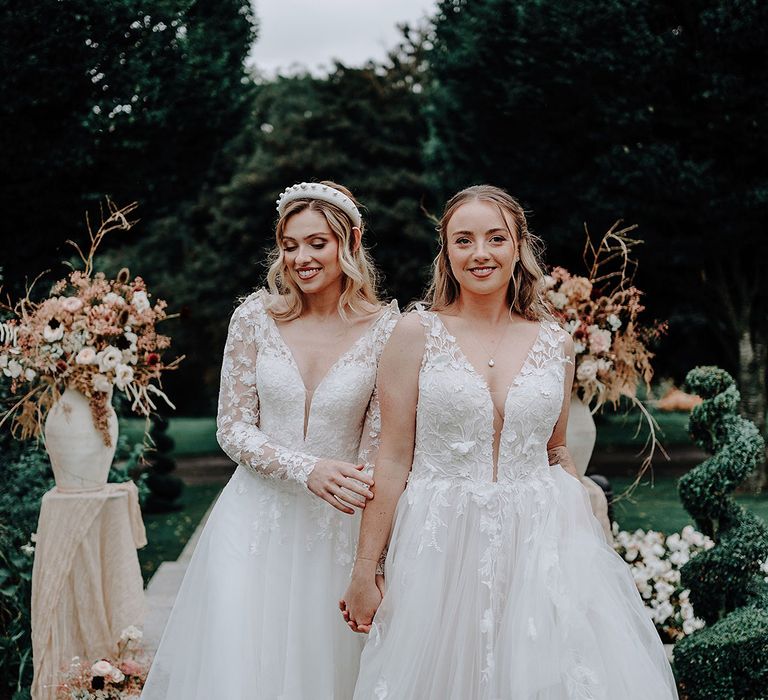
(525, 293)
(359, 277)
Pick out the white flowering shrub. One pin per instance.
(655, 561)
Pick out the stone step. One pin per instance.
(163, 588)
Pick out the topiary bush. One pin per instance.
(164, 488)
(728, 659)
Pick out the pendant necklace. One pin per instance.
(491, 361)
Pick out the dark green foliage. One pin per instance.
(163, 487)
(728, 659)
(173, 68)
(650, 111)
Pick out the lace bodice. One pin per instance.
(262, 398)
(454, 419)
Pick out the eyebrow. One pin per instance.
(472, 233)
(309, 235)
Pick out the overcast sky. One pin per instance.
(312, 33)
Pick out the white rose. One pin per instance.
(29, 374)
(558, 299)
(101, 668)
(112, 298)
(13, 369)
(587, 371)
(140, 301)
(123, 376)
(101, 383)
(117, 676)
(664, 590)
(87, 356)
(109, 358)
(549, 281)
(71, 304)
(131, 633)
(663, 612)
(614, 322)
(53, 334)
(690, 626)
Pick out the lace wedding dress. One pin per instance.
(257, 613)
(502, 590)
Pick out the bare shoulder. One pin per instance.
(406, 343)
(409, 330)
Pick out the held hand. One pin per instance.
(340, 484)
(360, 603)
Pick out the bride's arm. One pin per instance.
(556, 447)
(244, 442)
(398, 389)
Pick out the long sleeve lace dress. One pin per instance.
(256, 615)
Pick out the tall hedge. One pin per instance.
(728, 659)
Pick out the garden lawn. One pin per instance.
(192, 436)
(197, 436)
(167, 533)
(621, 429)
(657, 506)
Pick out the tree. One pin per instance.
(107, 99)
(602, 109)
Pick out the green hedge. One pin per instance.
(728, 659)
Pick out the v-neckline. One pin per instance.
(484, 382)
(309, 398)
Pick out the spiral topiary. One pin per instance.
(727, 659)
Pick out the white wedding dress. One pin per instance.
(257, 615)
(502, 590)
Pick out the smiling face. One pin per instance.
(311, 252)
(481, 249)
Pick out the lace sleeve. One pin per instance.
(238, 416)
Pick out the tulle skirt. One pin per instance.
(257, 615)
(508, 591)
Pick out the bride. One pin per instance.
(499, 582)
(253, 617)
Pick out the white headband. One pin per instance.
(314, 190)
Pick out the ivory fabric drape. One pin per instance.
(86, 580)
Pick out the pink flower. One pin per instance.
(131, 668)
(101, 668)
(599, 340)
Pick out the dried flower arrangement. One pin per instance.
(600, 311)
(121, 677)
(90, 334)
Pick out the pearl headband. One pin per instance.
(314, 190)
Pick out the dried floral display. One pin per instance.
(107, 679)
(600, 311)
(90, 334)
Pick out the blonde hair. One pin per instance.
(359, 278)
(525, 293)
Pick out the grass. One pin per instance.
(167, 533)
(193, 436)
(197, 436)
(657, 506)
(621, 429)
